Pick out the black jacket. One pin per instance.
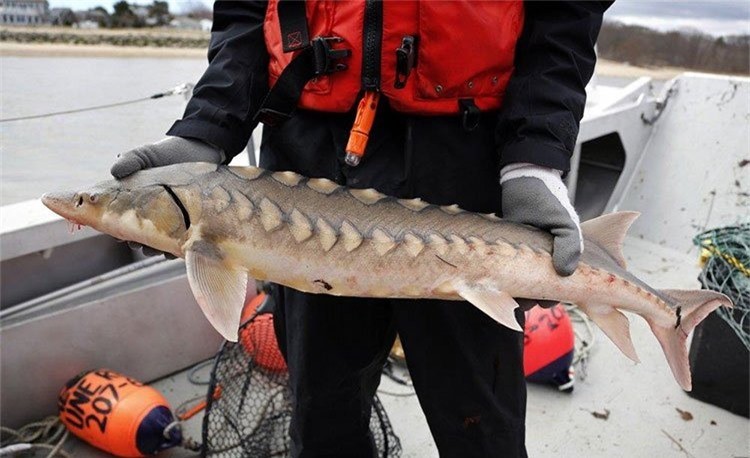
(538, 122)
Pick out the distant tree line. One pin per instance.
(134, 15)
(641, 46)
(131, 15)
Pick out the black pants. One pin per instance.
(466, 369)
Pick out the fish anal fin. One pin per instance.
(498, 305)
(615, 325)
(220, 291)
(608, 231)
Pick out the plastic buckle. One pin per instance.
(406, 59)
(324, 56)
(271, 117)
(470, 114)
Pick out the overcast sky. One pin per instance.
(716, 17)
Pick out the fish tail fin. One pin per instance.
(608, 231)
(691, 307)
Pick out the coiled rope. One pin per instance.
(583, 342)
(48, 434)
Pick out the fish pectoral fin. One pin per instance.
(615, 325)
(498, 305)
(219, 291)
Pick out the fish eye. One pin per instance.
(93, 198)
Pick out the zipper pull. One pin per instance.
(360, 134)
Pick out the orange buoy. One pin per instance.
(117, 414)
(259, 338)
(549, 343)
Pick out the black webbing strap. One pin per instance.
(317, 59)
(282, 99)
(293, 24)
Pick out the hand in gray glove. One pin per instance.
(536, 195)
(171, 150)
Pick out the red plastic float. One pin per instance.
(549, 344)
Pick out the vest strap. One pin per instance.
(293, 25)
(315, 60)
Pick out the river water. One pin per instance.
(68, 151)
(46, 154)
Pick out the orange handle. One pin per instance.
(360, 134)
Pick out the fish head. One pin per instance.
(151, 207)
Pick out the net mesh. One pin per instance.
(726, 257)
(249, 411)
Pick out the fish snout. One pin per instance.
(68, 203)
(58, 200)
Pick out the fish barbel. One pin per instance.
(316, 236)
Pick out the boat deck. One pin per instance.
(635, 151)
(642, 399)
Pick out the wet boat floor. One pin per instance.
(642, 399)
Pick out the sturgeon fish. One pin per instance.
(316, 236)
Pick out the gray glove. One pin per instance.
(536, 195)
(171, 150)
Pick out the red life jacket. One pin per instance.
(464, 50)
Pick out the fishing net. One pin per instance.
(726, 268)
(249, 409)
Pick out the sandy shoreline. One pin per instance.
(603, 68)
(606, 67)
(68, 50)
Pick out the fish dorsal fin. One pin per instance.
(498, 305)
(608, 231)
(219, 291)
